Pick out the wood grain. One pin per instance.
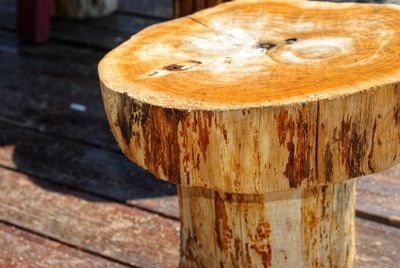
(208, 128)
(283, 229)
(378, 245)
(19, 248)
(251, 105)
(378, 241)
(129, 235)
(50, 113)
(113, 176)
(378, 198)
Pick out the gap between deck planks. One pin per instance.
(133, 236)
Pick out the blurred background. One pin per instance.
(68, 197)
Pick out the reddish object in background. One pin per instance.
(33, 20)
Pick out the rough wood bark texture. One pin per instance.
(311, 228)
(186, 7)
(269, 113)
(239, 103)
(79, 9)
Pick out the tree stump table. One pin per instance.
(262, 112)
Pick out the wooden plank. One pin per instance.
(156, 8)
(87, 168)
(43, 90)
(378, 245)
(378, 197)
(377, 194)
(38, 68)
(19, 248)
(134, 236)
(121, 233)
(45, 81)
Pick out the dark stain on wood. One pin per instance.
(328, 163)
(290, 170)
(303, 152)
(238, 249)
(222, 229)
(371, 152)
(291, 40)
(247, 259)
(173, 67)
(183, 66)
(160, 134)
(261, 243)
(188, 249)
(324, 201)
(298, 164)
(222, 129)
(266, 45)
(397, 112)
(163, 148)
(204, 121)
(124, 118)
(282, 119)
(343, 138)
(356, 152)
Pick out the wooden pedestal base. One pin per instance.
(313, 228)
(249, 97)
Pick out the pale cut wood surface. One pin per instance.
(245, 104)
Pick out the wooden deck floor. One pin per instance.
(69, 198)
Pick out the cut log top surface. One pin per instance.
(259, 53)
(260, 96)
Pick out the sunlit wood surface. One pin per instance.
(69, 197)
